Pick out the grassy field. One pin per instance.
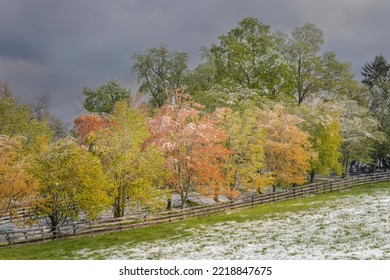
(284, 230)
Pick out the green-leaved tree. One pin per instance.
(103, 99)
(159, 71)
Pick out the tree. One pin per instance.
(304, 48)
(249, 56)
(103, 99)
(192, 144)
(322, 123)
(71, 181)
(315, 74)
(134, 169)
(337, 77)
(159, 71)
(287, 148)
(18, 189)
(40, 109)
(377, 77)
(18, 120)
(359, 131)
(245, 167)
(88, 123)
(33, 111)
(372, 71)
(380, 109)
(203, 77)
(5, 91)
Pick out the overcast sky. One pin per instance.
(61, 46)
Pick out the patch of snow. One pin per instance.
(353, 227)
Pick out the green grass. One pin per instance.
(65, 249)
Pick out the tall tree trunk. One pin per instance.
(54, 225)
(120, 203)
(169, 203)
(183, 201)
(185, 191)
(346, 163)
(312, 175)
(216, 195)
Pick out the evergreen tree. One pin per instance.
(372, 71)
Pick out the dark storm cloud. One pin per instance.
(62, 46)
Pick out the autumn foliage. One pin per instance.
(193, 146)
(85, 124)
(18, 189)
(245, 168)
(274, 113)
(287, 148)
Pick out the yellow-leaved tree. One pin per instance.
(244, 169)
(322, 123)
(18, 189)
(134, 169)
(71, 182)
(287, 148)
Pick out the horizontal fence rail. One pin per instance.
(85, 227)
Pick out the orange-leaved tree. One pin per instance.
(85, 124)
(193, 146)
(17, 187)
(287, 148)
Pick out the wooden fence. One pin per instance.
(86, 227)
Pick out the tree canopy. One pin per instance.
(71, 181)
(135, 171)
(192, 144)
(287, 148)
(17, 120)
(18, 188)
(103, 99)
(159, 71)
(372, 71)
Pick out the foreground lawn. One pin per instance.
(353, 224)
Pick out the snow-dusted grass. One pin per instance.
(353, 224)
(347, 227)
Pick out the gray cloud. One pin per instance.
(62, 46)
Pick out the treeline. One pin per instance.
(263, 109)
